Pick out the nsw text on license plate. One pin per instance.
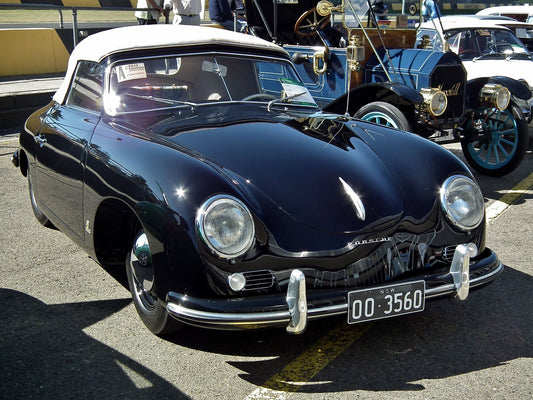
(385, 301)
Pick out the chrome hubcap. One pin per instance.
(142, 272)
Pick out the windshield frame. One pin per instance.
(356, 14)
(287, 68)
(498, 49)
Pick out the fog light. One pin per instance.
(435, 101)
(472, 249)
(495, 95)
(236, 282)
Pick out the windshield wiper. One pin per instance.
(162, 100)
(284, 99)
(489, 55)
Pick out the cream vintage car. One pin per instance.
(485, 47)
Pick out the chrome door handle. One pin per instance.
(41, 140)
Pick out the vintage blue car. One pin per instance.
(196, 159)
(359, 58)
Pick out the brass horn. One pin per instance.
(324, 7)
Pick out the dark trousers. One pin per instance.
(146, 21)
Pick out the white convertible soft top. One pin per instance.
(450, 22)
(100, 45)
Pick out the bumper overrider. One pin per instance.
(295, 307)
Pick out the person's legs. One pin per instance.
(187, 20)
(146, 21)
(226, 24)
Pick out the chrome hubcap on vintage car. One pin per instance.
(142, 272)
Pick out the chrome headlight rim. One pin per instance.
(458, 192)
(211, 237)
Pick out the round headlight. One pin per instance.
(226, 226)
(435, 101)
(462, 201)
(495, 95)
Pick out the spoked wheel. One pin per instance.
(141, 279)
(496, 141)
(309, 22)
(382, 113)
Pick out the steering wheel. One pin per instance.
(259, 96)
(309, 22)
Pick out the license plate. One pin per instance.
(386, 301)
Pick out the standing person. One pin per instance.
(186, 12)
(221, 12)
(149, 17)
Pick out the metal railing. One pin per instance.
(74, 10)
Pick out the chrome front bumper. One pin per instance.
(295, 312)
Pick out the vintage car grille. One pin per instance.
(259, 280)
(403, 255)
(447, 253)
(451, 79)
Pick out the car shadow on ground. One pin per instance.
(45, 354)
(450, 338)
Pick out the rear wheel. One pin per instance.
(382, 113)
(141, 281)
(496, 141)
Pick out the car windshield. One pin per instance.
(356, 14)
(486, 43)
(190, 80)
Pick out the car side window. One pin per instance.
(87, 86)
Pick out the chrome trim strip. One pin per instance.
(284, 317)
(214, 318)
(450, 288)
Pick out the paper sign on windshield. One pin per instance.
(297, 91)
(129, 72)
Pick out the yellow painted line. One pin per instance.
(510, 197)
(308, 364)
(304, 367)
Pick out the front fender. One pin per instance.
(393, 93)
(473, 87)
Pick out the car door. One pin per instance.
(62, 147)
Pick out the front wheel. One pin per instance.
(39, 215)
(141, 279)
(382, 113)
(496, 141)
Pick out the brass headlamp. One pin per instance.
(495, 95)
(355, 53)
(435, 101)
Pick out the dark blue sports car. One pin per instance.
(196, 159)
